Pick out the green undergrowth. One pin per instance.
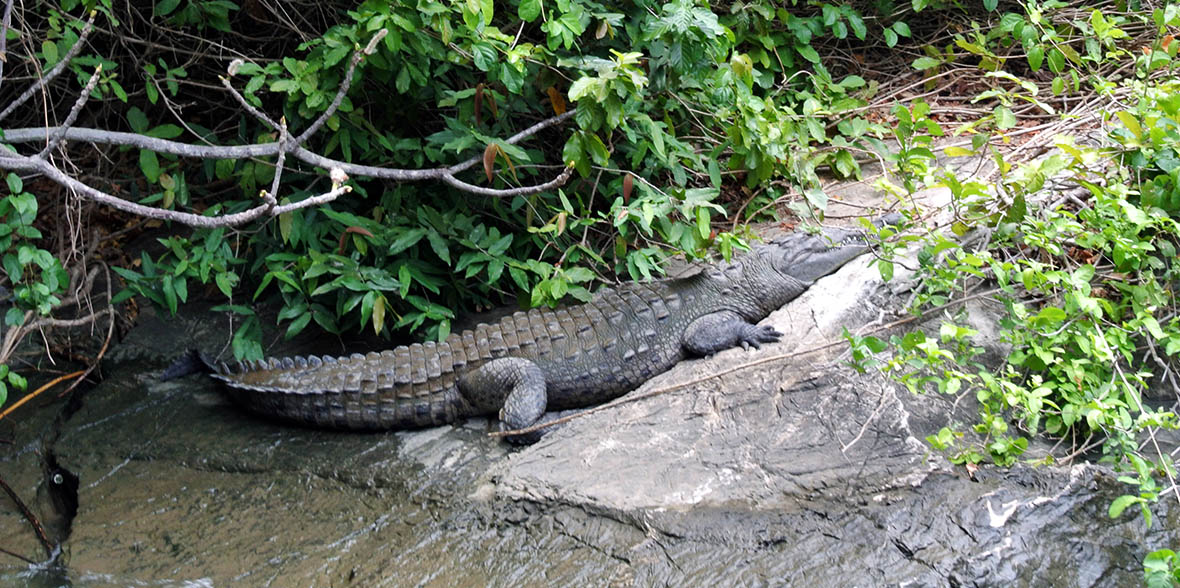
(685, 115)
(1075, 249)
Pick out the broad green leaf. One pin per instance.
(1130, 122)
(165, 7)
(1121, 503)
(137, 119)
(149, 164)
(924, 63)
(168, 131)
(1005, 119)
(529, 10)
(1036, 56)
(439, 245)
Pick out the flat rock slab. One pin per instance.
(793, 470)
(799, 469)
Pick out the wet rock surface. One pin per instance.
(791, 470)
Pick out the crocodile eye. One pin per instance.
(58, 479)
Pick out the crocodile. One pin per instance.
(546, 359)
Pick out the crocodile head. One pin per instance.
(808, 257)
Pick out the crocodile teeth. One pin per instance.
(314, 361)
(288, 363)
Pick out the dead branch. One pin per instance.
(283, 147)
(53, 73)
(29, 516)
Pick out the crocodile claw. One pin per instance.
(755, 335)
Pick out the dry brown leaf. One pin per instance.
(556, 100)
(489, 159)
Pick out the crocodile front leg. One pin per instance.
(724, 329)
(512, 385)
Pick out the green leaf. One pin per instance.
(1153, 327)
(1121, 503)
(378, 314)
(1128, 119)
(1005, 119)
(49, 50)
(925, 63)
(169, 293)
(150, 164)
(168, 131)
(14, 316)
(1036, 56)
(1056, 61)
(818, 198)
(703, 227)
(15, 184)
(298, 324)
(137, 119)
(439, 245)
(406, 239)
(165, 7)
(529, 10)
(808, 53)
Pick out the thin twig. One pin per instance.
(105, 344)
(284, 139)
(357, 56)
(4, 26)
(24, 510)
(53, 73)
(55, 139)
(17, 555)
(560, 180)
(258, 114)
(38, 391)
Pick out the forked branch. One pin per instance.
(284, 147)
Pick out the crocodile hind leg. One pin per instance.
(721, 330)
(514, 386)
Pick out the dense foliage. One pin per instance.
(681, 112)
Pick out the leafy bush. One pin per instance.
(1084, 281)
(652, 172)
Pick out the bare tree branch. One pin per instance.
(56, 138)
(57, 69)
(560, 180)
(344, 86)
(104, 137)
(514, 139)
(4, 25)
(284, 146)
(19, 163)
(258, 114)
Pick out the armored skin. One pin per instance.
(546, 359)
